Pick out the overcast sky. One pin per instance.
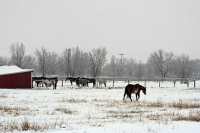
(133, 27)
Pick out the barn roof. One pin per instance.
(7, 70)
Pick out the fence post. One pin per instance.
(188, 83)
(174, 83)
(62, 83)
(194, 84)
(159, 83)
(113, 83)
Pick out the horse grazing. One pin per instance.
(54, 81)
(71, 79)
(47, 81)
(92, 80)
(129, 89)
(50, 82)
(82, 82)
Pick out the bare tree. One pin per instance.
(79, 62)
(97, 61)
(29, 62)
(113, 65)
(130, 67)
(51, 63)
(42, 60)
(84, 63)
(76, 59)
(67, 59)
(183, 68)
(17, 54)
(140, 70)
(195, 65)
(161, 61)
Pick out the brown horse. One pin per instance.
(129, 89)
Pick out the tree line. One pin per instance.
(76, 62)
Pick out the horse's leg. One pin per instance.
(136, 96)
(124, 95)
(37, 84)
(129, 95)
(56, 84)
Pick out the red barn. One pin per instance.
(14, 77)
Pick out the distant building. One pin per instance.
(12, 77)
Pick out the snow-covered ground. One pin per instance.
(88, 110)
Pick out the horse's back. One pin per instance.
(129, 86)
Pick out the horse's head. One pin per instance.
(144, 90)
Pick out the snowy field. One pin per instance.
(101, 110)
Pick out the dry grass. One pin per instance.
(72, 100)
(180, 104)
(157, 104)
(192, 116)
(155, 111)
(3, 96)
(160, 116)
(131, 114)
(12, 110)
(27, 125)
(65, 110)
(184, 104)
(154, 117)
(175, 116)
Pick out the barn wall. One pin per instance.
(20, 80)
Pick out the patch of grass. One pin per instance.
(65, 110)
(153, 117)
(120, 115)
(125, 114)
(192, 116)
(184, 105)
(10, 126)
(12, 110)
(28, 125)
(24, 125)
(72, 100)
(157, 104)
(175, 116)
(3, 96)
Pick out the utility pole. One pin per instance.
(122, 56)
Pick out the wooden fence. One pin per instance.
(174, 81)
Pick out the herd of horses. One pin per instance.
(45, 81)
(82, 82)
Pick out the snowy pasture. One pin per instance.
(87, 110)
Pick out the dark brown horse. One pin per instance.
(129, 89)
(71, 79)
